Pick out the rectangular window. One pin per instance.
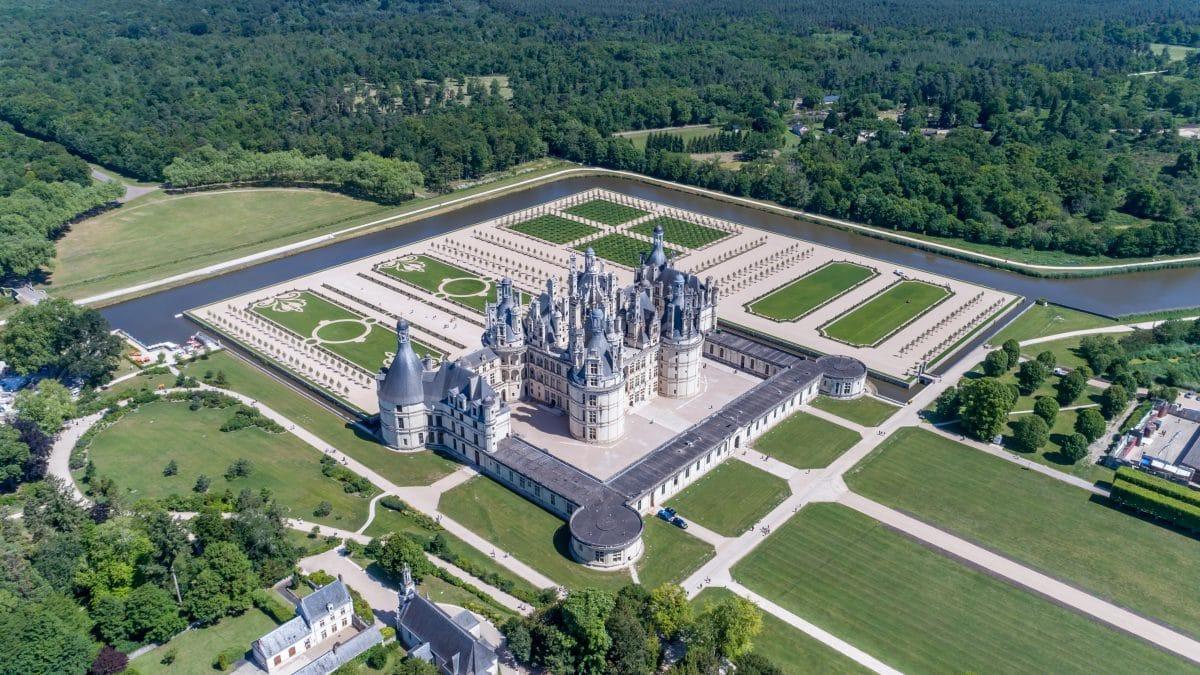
(278, 659)
(291, 651)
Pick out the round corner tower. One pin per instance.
(401, 390)
(505, 335)
(681, 345)
(597, 387)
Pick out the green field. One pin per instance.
(535, 536)
(865, 410)
(196, 650)
(806, 441)
(402, 468)
(638, 138)
(348, 334)
(622, 249)
(1042, 320)
(799, 297)
(671, 554)
(681, 232)
(1064, 351)
(135, 449)
(731, 498)
(1174, 52)
(1049, 525)
(919, 611)
(159, 235)
(794, 651)
(554, 229)
(387, 521)
(432, 275)
(885, 313)
(605, 211)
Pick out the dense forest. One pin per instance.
(1010, 123)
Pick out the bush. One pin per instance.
(1047, 409)
(169, 657)
(202, 483)
(170, 469)
(1075, 447)
(245, 417)
(387, 632)
(1179, 513)
(272, 605)
(323, 509)
(351, 482)
(240, 467)
(227, 658)
(1159, 485)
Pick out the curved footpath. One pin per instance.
(875, 232)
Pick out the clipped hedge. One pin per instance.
(272, 605)
(1159, 485)
(1181, 514)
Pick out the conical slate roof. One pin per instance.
(402, 380)
(658, 257)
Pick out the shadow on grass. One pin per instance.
(1166, 525)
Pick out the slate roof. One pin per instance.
(452, 646)
(758, 350)
(842, 366)
(342, 653)
(283, 637)
(402, 378)
(318, 603)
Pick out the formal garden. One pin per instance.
(1065, 531)
(886, 313)
(622, 249)
(801, 296)
(358, 339)
(924, 612)
(605, 211)
(441, 279)
(554, 229)
(681, 232)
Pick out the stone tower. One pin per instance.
(401, 390)
(596, 384)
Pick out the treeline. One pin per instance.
(721, 141)
(367, 174)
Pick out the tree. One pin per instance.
(1047, 409)
(670, 610)
(520, 643)
(71, 340)
(584, 615)
(633, 650)
(986, 404)
(202, 483)
(153, 615)
(1113, 401)
(1048, 361)
(1090, 423)
(736, 621)
(108, 611)
(1030, 433)
(1013, 349)
(14, 455)
(756, 664)
(947, 404)
(323, 509)
(411, 665)
(170, 469)
(36, 640)
(1075, 447)
(48, 405)
(996, 363)
(219, 582)
(1071, 386)
(108, 662)
(396, 551)
(1030, 376)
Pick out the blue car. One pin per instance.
(666, 514)
(679, 522)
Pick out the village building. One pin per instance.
(324, 634)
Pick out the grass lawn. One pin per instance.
(1064, 351)
(671, 554)
(335, 328)
(441, 591)
(387, 521)
(143, 380)
(604, 211)
(731, 498)
(196, 650)
(402, 468)
(794, 651)
(308, 544)
(532, 534)
(806, 441)
(919, 611)
(554, 229)
(159, 234)
(1049, 525)
(622, 249)
(681, 232)
(1174, 52)
(885, 313)
(864, 410)
(134, 450)
(799, 297)
(638, 138)
(1042, 320)
(428, 273)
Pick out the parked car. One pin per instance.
(679, 522)
(998, 439)
(666, 514)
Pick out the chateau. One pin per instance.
(596, 351)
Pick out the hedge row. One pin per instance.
(1181, 514)
(1159, 485)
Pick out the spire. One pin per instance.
(401, 382)
(658, 256)
(407, 587)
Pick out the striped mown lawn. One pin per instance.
(554, 229)
(806, 441)
(604, 211)
(622, 249)
(799, 297)
(921, 612)
(681, 232)
(886, 313)
(731, 498)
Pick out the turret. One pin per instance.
(401, 391)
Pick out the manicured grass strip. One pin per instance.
(812, 290)
(196, 650)
(886, 313)
(789, 648)
(134, 450)
(388, 520)
(604, 211)
(622, 249)
(532, 534)
(681, 232)
(919, 611)
(864, 410)
(671, 554)
(806, 441)
(1062, 530)
(402, 468)
(428, 273)
(1042, 320)
(554, 229)
(731, 498)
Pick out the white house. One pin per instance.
(327, 613)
